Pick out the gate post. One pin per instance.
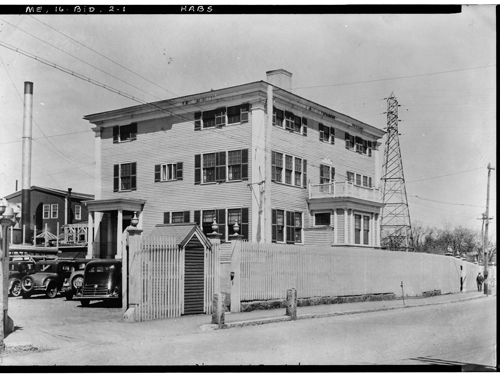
(291, 303)
(130, 274)
(235, 275)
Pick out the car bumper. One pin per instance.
(90, 298)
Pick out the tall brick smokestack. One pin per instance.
(26, 172)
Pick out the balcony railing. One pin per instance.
(344, 189)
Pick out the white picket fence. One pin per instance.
(269, 270)
(161, 269)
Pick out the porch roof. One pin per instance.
(124, 204)
(182, 232)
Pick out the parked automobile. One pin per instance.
(17, 270)
(102, 280)
(75, 280)
(47, 279)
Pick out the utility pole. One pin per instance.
(485, 239)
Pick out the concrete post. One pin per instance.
(218, 316)
(131, 296)
(235, 276)
(291, 303)
(90, 236)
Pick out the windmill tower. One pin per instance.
(395, 222)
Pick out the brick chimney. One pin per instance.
(280, 78)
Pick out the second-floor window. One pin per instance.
(288, 169)
(54, 209)
(359, 180)
(326, 174)
(168, 172)
(125, 177)
(221, 166)
(125, 133)
(78, 212)
(46, 211)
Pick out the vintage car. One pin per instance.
(17, 270)
(75, 280)
(102, 280)
(48, 278)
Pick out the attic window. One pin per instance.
(125, 133)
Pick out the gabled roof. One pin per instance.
(181, 232)
(62, 193)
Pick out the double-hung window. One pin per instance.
(350, 176)
(326, 174)
(277, 166)
(289, 121)
(54, 211)
(46, 211)
(361, 229)
(288, 169)
(125, 177)
(298, 171)
(241, 216)
(278, 226)
(366, 230)
(125, 133)
(326, 133)
(357, 229)
(349, 141)
(221, 166)
(278, 117)
(209, 119)
(221, 116)
(78, 212)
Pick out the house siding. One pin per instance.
(168, 140)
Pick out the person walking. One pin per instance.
(479, 280)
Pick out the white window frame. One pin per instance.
(54, 211)
(284, 169)
(168, 172)
(321, 225)
(78, 212)
(362, 234)
(46, 211)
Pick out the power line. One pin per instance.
(441, 202)
(446, 175)
(390, 79)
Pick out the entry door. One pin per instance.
(194, 277)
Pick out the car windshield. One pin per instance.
(99, 273)
(43, 267)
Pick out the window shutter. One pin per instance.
(290, 226)
(244, 223)
(321, 132)
(116, 177)
(304, 126)
(321, 173)
(245, 109)
(133, 131)
(347, 141)
(197, 169)
(244, 164)
(197, 215)
(298, 122)
(332, 136)
(274, 226)
(273, 165)
(333, 173)
(157, 172)
(304, 175)
(197, 121)
(116, 133)
(370, 148)
(166, 218)
(220, 169)
(133, 176)
(221, 220)
(186, 216)
(179, 171)
(370, 182)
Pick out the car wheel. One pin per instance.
(84, 303)
(51, 290)
(77, 283)
(16, 289)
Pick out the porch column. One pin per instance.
(119, 235)
(346, 227)
(352, 228)
(335, 226)
(378, 231)
(90, 236)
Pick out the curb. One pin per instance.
(244, 323)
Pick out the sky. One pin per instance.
(440, 67)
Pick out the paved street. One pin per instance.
(458, 333)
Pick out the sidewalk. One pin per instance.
(75, 336)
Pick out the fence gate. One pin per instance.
(194, 272)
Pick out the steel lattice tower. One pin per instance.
(395, 221)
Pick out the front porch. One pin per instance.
(108, 218)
